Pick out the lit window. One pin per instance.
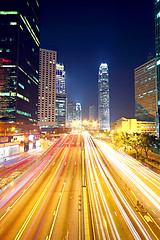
(158, 62)
(8, 12)
(13, 23)
(7, 50)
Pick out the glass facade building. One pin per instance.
(71, 113)
(92, 113)
(47, 88)
(61, 109)
(61, 99)
(19, 60)
(157, 31)
(146, 91)
(74, 114)
(78, 115)
(60, 78)
(103, 97)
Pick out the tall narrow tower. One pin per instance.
(103, 97)
(61, 99)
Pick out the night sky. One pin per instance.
(88, 33)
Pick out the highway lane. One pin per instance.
(16, 165)
(142, 182)
(52, 199)
(13, 190)
(21, 186)
(136, 224)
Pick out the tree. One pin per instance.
(148, 142)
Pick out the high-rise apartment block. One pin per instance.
(146, 106)
(19, 60)
(92, 113)
(157, 30)
(61, 99)
(103, 97)
(47, 88)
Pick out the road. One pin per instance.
(114, 214)
(47, 206)
(81, 189)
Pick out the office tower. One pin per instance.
(71, 113)
(78, 114)
(146, 91)
(19, 60)
(92, 113)
(157, 31)
(74, 114)
(61, 99)
(61, 109)
(47, 88)
(103, 97)
(60, 78)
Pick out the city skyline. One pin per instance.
(82, 43)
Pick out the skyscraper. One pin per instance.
(74, 114)
(61, 99)
(157, 28)
(146, 105)
(47, 88)
(92, 113)
(71, 113)
(78, 115)
(60, 78)
(103, 97)
(19, 60)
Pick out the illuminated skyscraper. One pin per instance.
(61, 99)
(19, 60)
(47, 88)
(78, 114)
(92, 113)
(71, 113)
(146, 105)
(103, 97)
(157, 28)
(74, 114)
(60, 78)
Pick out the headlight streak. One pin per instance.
(55, 175)
(34, 170)
(110, 221)
(137, 181)
(103, 170)
(127, 220)
(134, 164)
(105, 173)
(145, 171)
(90, 183)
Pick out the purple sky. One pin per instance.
(87, 33)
